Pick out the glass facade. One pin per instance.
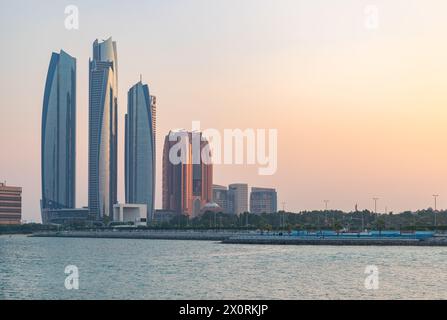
(103, 129)
(58, 148)
(65, 216)
(263, 200)
(187, 187)
(140, 148)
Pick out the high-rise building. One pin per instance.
(58, 144)
(140, 148)
(176, 183)
(10, 204)
(187, 185)
(263, 200)
(238, 198)
(220, 196)
(103, 129)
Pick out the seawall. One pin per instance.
(333, 241)
(156, 235)
(235, 237)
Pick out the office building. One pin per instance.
(187, 185)
(103, 129)
(75, 216)
(263, 200)
(140, 148)
(58, 141)
(10, 204)
(238, 198)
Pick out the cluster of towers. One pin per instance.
(187, 187)
(58, 153)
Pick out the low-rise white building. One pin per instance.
(127, 212)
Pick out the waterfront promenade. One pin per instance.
(143, 234)
(246, 237)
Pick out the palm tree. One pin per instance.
(380, 225)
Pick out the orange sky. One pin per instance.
(359, 113)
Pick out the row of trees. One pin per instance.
(314, 220)
(27, 228)
(307, 220)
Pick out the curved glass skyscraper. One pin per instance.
(103, 129)
(140, 148)
(59, 134)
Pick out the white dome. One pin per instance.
(211, 205)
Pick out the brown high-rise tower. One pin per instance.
(187, 186)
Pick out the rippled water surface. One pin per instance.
(33, 268)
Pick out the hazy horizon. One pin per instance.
(360, 112)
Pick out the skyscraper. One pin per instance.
(58, 145)
(140, 148)
(187, 186)
(238, 198)
(263, 200)
(176, 183)
(103, 129)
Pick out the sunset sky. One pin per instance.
(360, 112)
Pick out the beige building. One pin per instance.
(10, 204)
(238, 198)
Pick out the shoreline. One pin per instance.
(150, 235)
(246, 238)
(338, 242)
(16, 234)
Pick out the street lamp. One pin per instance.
(435, 197)
(325, 211)
(282, 218)
(375, 204)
